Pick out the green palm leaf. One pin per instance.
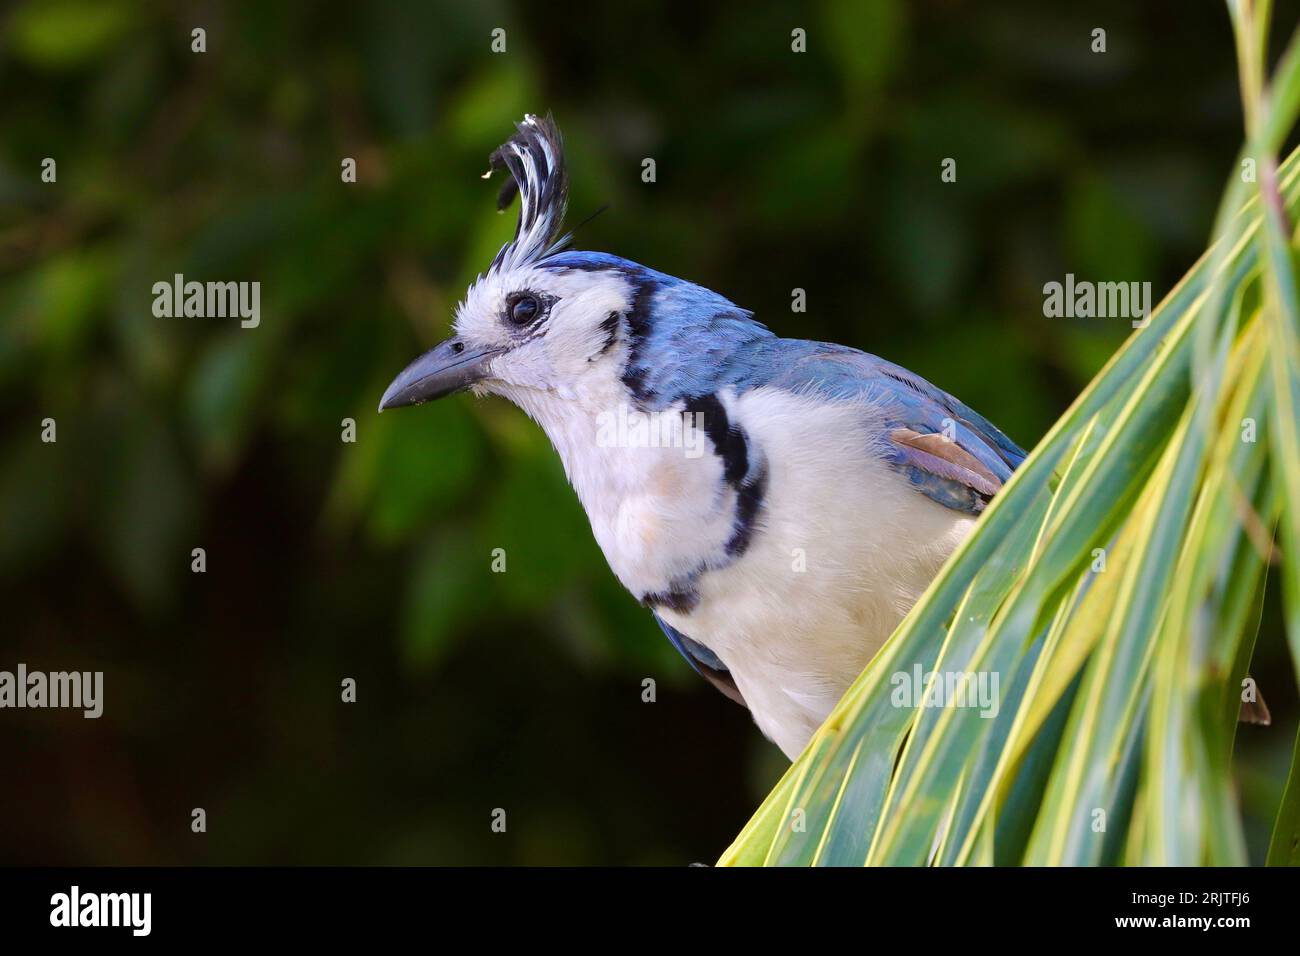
(1113, 588)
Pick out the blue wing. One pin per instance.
(949, 452)
(703, 661)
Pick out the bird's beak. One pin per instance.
(447, 367)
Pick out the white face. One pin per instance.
(555, 326)
(537, 335)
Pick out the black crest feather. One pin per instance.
(534, 157)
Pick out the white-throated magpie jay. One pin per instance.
(831, 488)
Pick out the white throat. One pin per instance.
(651, 485)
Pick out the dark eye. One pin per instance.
(524, 308)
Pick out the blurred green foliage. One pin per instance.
(372, 560)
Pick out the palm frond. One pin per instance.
(1113, 588)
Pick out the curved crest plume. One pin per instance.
(535, 158)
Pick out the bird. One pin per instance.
(792, 500)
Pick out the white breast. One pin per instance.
(844, 548)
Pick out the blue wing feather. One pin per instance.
(702, 660)
(913, 405)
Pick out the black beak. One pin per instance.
(447, 367)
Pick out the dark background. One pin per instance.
(371, 560)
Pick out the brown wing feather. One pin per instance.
(949, 451)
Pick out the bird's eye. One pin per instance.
(524, 309)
